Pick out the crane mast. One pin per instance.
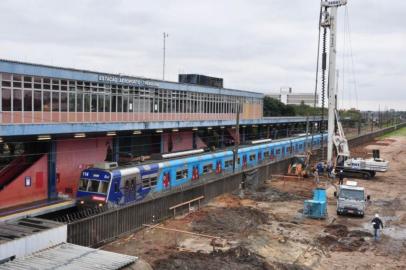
(350, 166)
(329, 20)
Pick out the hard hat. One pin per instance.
(376, 215)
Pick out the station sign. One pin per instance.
(126, 80)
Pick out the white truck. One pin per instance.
(351, 199)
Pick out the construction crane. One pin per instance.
(367, 168)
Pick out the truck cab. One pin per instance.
(351, 199)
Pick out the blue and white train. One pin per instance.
(108, 183)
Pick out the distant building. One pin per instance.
(286, 96)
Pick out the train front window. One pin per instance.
(103, 187)
(83, 184)
(93, 186)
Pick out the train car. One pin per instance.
(107, 183)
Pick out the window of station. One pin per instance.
(228, 163)
(30, 93)
(252, 157)
(181, 174)
(149, 182)
(208, 168)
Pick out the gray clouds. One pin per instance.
(254, 45)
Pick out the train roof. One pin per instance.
(135, 168)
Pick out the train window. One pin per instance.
(252, 157)
(116, 187)
(83, 184)
(181, 174)
(208, 168)
(238, 160)
(228, 163)
(103, 187)
(278, 151)
(266, 154)
(149, 182)
(289, 149)
(93, 186)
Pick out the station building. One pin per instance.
(55, 122)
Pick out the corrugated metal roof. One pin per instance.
(69, 256)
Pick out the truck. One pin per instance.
(351, 199)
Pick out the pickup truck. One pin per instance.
(351, 199)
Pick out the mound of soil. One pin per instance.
(359, 233)
(238, 258)
(339, 238)
(228, 221)
(271, 195)
(336, 230)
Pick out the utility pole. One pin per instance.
(237, 141)
(164, 56)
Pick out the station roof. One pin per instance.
(24, 227)
(69, 256)
(40, 70)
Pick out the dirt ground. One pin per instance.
(266, 229)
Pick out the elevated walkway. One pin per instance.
(61, 128)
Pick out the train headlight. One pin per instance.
(82, 202)
(100, 204)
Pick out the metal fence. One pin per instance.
(106, 226)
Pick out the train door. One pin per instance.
(195, 172)
(115, 196)
(244, 161)
(219, 167)
(166, 179)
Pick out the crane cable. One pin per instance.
(317, 74)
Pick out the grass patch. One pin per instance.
(401, 132)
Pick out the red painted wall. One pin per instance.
(73, 156)
(181, 141)
(17, 193)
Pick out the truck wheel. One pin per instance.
(338, 213)
(366, 176)
(373, 174)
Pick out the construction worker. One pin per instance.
(377, 224)
(316, 176)
(341, 177)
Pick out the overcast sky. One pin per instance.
(257, 45)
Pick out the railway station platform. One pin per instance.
(33, 209)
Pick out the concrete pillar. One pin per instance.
(161, 146)
(243, 135)
(52, 194)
